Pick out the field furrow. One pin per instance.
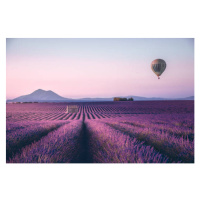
(17, 139)
(106, 132)
(109, 145)
(177, 149)
(63, 145)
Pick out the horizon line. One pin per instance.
(101, 97)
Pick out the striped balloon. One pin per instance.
(158, 66)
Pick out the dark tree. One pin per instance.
(131, 99)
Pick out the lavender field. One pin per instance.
(101, 132)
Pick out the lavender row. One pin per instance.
(26, 134)
(63, 145)
(137, 107)
(176, 148)
(107, 145)
(178, 125)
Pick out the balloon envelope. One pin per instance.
(158, 66)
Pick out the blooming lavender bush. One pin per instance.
(17, 138)
(59, 146)
(143, 132)
(107, 145)
(176, 148)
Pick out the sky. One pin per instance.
(93, 67)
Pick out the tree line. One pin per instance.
(123, 99)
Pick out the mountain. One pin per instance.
(187, 98)
(39, 95)
(50, 96)
(137, 98)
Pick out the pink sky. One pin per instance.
(118, 69)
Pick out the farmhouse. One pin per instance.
(72, 109)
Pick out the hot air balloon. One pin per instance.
(158, 66)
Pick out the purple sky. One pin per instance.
(76, 68)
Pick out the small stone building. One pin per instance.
(72, 109)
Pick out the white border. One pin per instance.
(94, 19)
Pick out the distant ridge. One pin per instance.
(39, 95)
(50, 96)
